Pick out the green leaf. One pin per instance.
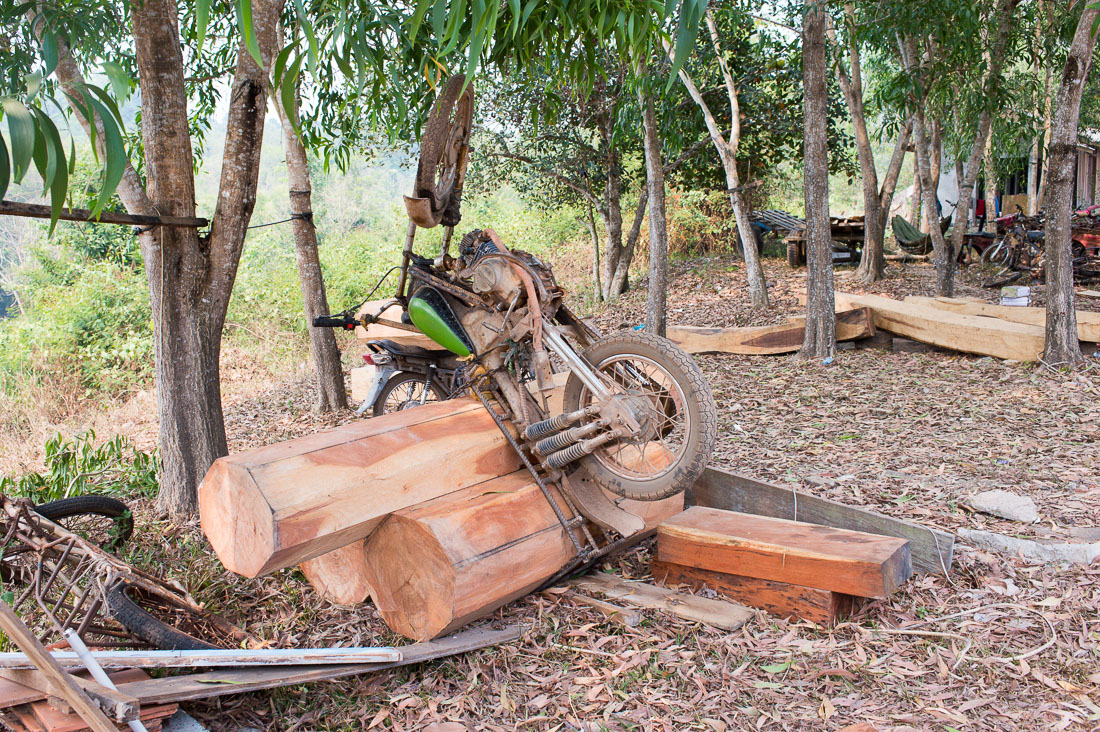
(21, 134)
(5, 167)
(248, 33)
(418, 17)
(50, 54)
(114, 163)
(120, 80)
(776, 668)
(311, 37)
(34, 84)
(287, 92)
(107, 101)
(202, 19)
(439, 18)
(59, 182)
(280, 64)
(691, 14)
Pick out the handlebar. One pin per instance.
(347, 321)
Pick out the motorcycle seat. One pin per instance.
(412, 351)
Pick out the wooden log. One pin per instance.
(768, 339)
(852, 562)
(719, 613)
(930, 549)
(823, 607)
(338, 576)
(276, 506)
(967, 333)
(117, 706)
(1088, 323)
(437, 566)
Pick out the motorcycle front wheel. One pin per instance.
(681, 422)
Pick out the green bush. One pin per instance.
(79, 466)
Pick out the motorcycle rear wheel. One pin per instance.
(674, 452)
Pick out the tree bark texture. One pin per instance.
(727, 151)
(991, 91)
(331, 394)
(597, 281)
(1062, 345)
(872, 265)
(929, 184)
(893, 171)
(191, 277)
(820, 336)
(658, 224)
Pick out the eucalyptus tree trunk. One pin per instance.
(914, 216)
(190, 277)
(727, 151)
(1062, 346)
(991, 91)
(820, 337)
(331, 395)
(991, 183)
(872, 264)
(1047, 110)
(618, 249)
(658, 225)
(941, 257)
(597, 284)
(893, 171)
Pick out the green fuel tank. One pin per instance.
(433, 316)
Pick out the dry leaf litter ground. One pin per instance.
(999, 645)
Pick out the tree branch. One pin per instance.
(582, 191)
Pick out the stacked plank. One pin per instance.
(425, 510)
(785, 567)
(30, 711)
(959, 331)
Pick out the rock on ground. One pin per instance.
(1005, 504)
(1032, 550)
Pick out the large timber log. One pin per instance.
(767, 339)
(437, 566)
(276, 506)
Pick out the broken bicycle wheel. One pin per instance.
(443, 148)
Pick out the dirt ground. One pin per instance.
(999, 644)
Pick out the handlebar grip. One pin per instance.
(346, 321)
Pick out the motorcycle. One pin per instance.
(639, 419)
(408, 376)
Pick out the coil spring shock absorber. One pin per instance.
(567, 438)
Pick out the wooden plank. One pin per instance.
(823, 557)
(379, 332)
(116, 705)
(279, 505)
(614, 613)
(1089, 293)
(213, 658)
(768, 339)
(220, 683)
(719, 613)
(930, 549)
(42, 211)
(778, 598)
(1088, 323)
(19, 634)
(13, 693)
(56, 720)
(967, 333)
